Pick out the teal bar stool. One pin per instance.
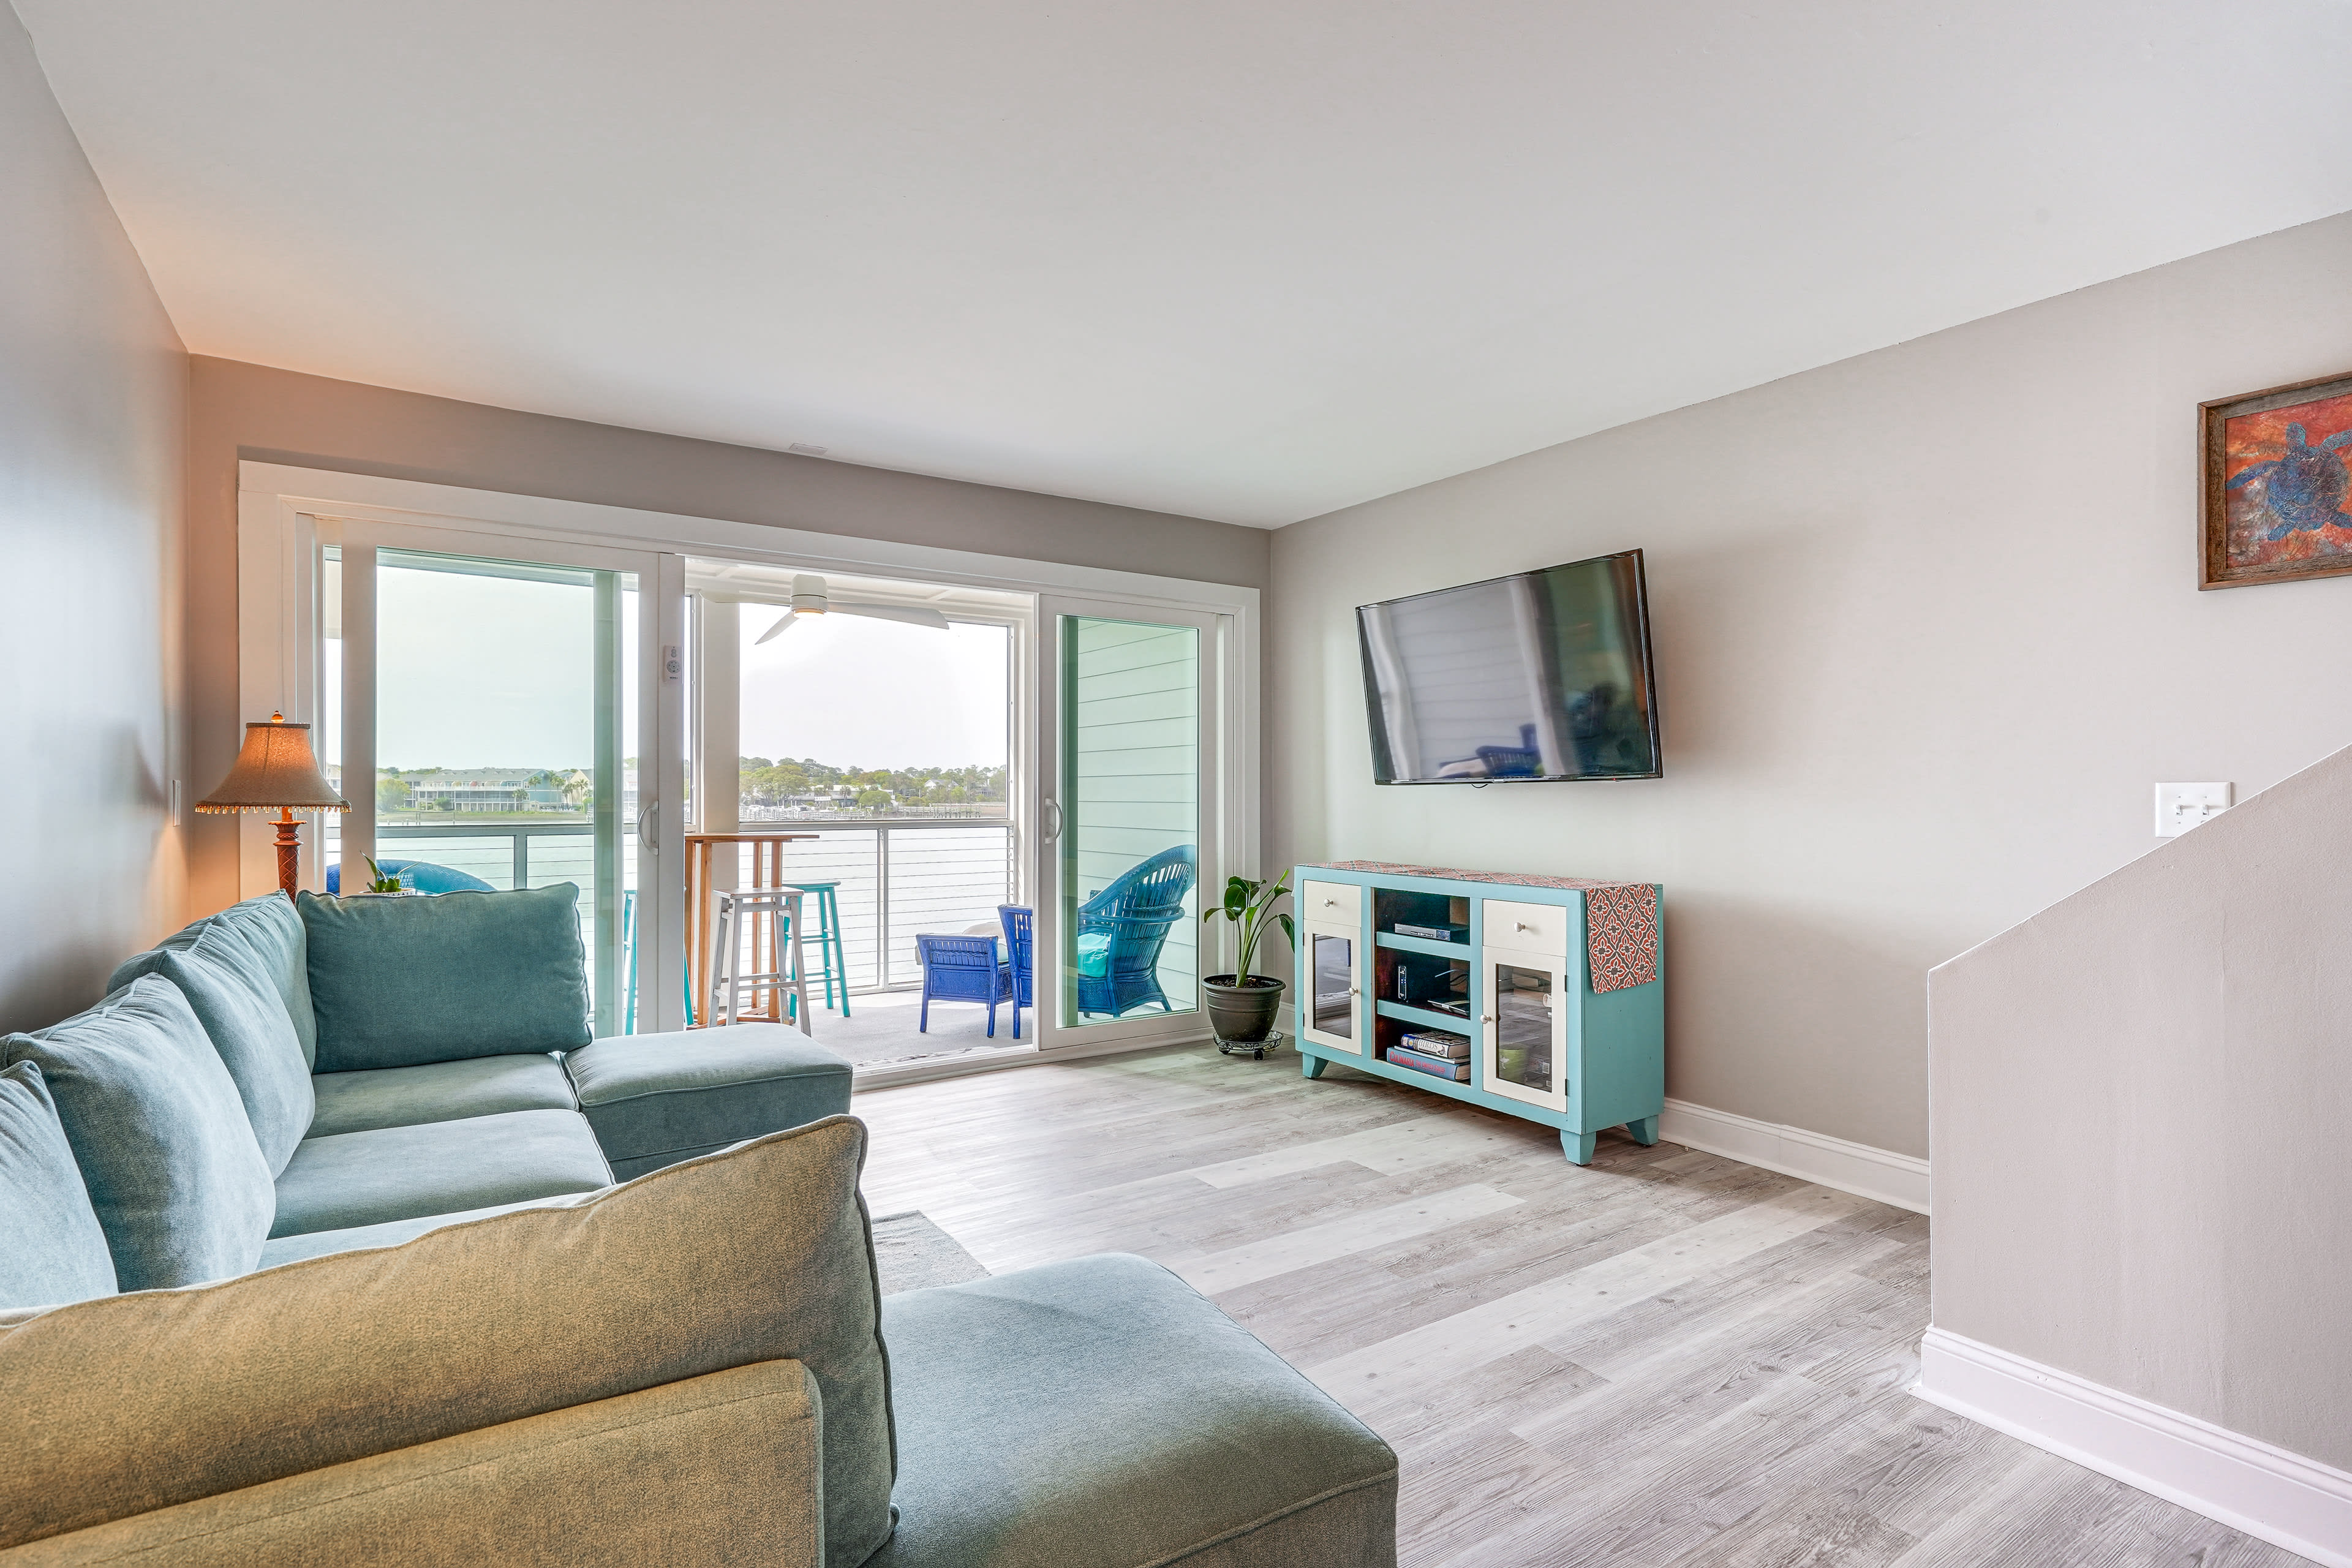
(824, 936)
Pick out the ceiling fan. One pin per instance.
(809, 598)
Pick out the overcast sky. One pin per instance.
(496, 672)
(485, 671)
(852, 691)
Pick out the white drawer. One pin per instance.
(1529, 928)
(1330, 903)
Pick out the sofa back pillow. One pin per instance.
(238, 1004)
(156, 1125)
(398, 983)
(760, 1252)
(56, 1251)
(265, 935)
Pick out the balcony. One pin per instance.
(898, 875)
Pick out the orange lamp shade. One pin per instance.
(275, 771)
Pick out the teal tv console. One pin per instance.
(1555, 986)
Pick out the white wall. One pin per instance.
(2140, 1105)
(92, 397)
(1927, 631)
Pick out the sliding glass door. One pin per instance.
(1131, 819)
(491, 719)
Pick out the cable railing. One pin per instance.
(896, 876)
(901, 876)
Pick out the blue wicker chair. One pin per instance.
(1021, 957)
(962, 969)
(1122, 929)
(422, 875)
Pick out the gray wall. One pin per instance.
(273, 416)
(2140, 1098)
(93, 389)
(1927, 631)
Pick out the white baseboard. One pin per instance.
(2283, 1498)
(1858, 1168)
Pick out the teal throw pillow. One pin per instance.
(401, 982)
(154, 1121)
(241, 1009)
(56, 1251)
(261, 936)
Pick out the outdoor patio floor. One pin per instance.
(881, 1028)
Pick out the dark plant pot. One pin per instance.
(1242, 1014)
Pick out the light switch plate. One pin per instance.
(2182, 806)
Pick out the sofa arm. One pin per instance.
(125, 1405)
(657, 1099)
(717, 1469)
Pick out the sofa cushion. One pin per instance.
(179, 1183)
(1101, 1414)
(395, 982)
(440, 1167)
(758, 1253)
(238, 1004)
(654, 1100)
(281, 1250)
(439, 1092)
(56, 1250)
(268, 935)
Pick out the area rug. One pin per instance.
(910, 1253)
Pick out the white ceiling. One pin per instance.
(1248, 260)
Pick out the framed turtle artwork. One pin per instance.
(2277, 482)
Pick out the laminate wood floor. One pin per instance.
(1664, 1358)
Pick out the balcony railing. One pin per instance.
(896, 876)
(901, 876)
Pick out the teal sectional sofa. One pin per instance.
(287, 1080)
(314, 1254)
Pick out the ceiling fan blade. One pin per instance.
(783, 625)
(907, 613)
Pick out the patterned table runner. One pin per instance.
(1620, 918)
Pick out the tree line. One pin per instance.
(768, 782)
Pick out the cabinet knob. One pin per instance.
(1330, 903)
(1486, 1017)
(1521, 925)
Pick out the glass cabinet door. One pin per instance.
(1333, 1013)
(1526, 1028)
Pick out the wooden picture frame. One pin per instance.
(2276, 479)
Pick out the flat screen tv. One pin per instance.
(1544, 676)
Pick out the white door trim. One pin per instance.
(278, 506)
(279, 542)
(1225, 839)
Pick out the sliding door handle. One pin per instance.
(1052, 828)
(644, 840)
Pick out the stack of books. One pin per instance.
(1434, 1052)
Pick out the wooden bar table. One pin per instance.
(767, 871)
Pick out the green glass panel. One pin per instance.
(1130, 799)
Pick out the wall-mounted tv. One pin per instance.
(1544, 676)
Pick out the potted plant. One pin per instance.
(1241, 1004)
(383, 884)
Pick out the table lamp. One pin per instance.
(275, 772)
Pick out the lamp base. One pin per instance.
(290, 853)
